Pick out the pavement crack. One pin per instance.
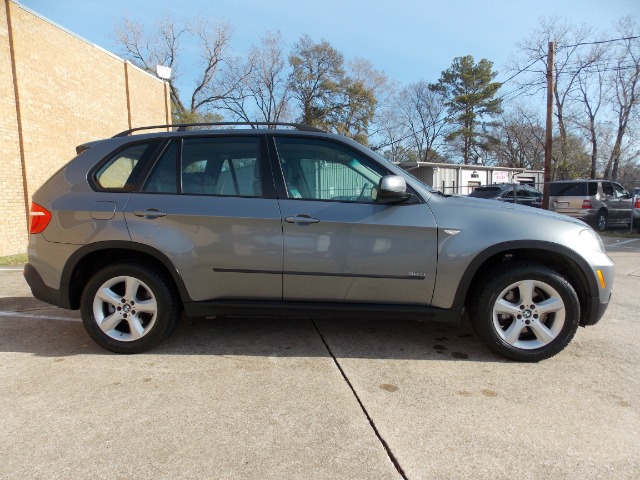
(384, 443)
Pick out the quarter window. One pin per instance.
(121, 172)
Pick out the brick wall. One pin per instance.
(13, 223)
(69, 92)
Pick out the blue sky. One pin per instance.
(409, 40)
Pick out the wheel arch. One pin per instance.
(91, 258)
(561, 259)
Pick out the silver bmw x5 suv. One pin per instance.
(141, 227)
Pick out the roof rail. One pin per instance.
(180, 127)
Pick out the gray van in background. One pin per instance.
(600, 203)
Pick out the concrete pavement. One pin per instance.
(301, 398)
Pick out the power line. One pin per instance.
(597, 63)
(598, 42)
(522, 88)
(600, 69)
(525, 69)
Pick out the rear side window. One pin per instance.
(573, 189)
(209, 166)
(121, 172)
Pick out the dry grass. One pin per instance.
(13, 260)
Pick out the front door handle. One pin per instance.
(304, 219)
(150, 213)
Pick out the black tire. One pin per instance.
(514, 327)
(601, 221)
(109, 302)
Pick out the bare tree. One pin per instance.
(391, 136)
(590, 92)
(423, 114)
(261, 84)
(567, 68)
(521, 136)
(369, 92)
(146, 50)
(626, 87)
(161, 46)
(383, 90)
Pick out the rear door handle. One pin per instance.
(304, 219)
(150, 213)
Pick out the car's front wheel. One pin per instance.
(526, 312)
(129, 308)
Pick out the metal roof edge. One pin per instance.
(467, 166)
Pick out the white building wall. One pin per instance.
(462, 179)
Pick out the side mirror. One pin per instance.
(392, 189)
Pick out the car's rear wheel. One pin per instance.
(129, 308)
(526, 312)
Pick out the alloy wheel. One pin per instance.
(125, 308)
(529, 314)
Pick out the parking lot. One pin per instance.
(303, 398)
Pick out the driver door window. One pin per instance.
(319, 170)
(619, 191)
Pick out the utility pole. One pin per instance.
(548, 138)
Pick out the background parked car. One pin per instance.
(510, 192)
(601, 203)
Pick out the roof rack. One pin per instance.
(181, 127)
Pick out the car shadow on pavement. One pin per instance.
(344, 337)
(30, 326)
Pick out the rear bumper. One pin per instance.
(42, 291)
(587, 216)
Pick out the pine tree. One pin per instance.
(470, 92)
